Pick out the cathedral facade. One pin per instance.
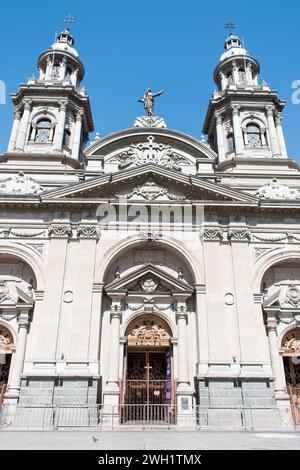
(148, 267)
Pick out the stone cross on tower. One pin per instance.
(69, 20)
(230, 26)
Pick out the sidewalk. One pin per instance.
(83, 440)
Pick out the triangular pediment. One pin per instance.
(11, 296)
(148, 183)
(149, 279)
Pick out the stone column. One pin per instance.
(235, 73)
(281, 139)
(183, 370)
(275, 357)
(223, 80)
(23, 128)
(272, 130)
(74, 78)
(77, 136)
(238, 135)
(202, 324)
(14, 132)
(249, 73)
(220, 138)
(60, 128)
(63, 69)
(19, 357)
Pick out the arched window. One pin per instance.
(43, 130)
(254, 135)
(229, 77)
(55, 72)
(69, 72)
(242, 76)
(231, 143)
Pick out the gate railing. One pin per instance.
(122, 417)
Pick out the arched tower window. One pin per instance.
(242, 76)
(254, 135)
(55, 71)
(43, 130)
(69, 72)
(229, 77)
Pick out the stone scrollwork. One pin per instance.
(150, 121)
(212, 234)
(239, 235)
(151, 152)
(276, 190)
(20, 185)
(149, 331)
(60, 231)
(87, 231)
(6, 341)
(291, 341)
(150, 191)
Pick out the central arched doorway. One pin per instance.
(148, 384)
(6, 345)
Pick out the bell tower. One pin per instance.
(243, 121)
(52, 113)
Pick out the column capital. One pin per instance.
(235, 109)
(278, 119)
(27, 105)
(218, 117)
(271, 324)
(116, 312)
(181, 314)
(60, 231)
(79, 115)
(270, 110)
(17, 114)
(62, 105)
(24, 319)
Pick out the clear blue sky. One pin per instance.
(129, 45)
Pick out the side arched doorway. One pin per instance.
(6, 349)
(148, 380)
(291, 359)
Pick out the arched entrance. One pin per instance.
(6, 345)
(148, 383)
(291, 360)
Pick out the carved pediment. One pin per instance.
(149, 183)
(148, 280)
(12, 296)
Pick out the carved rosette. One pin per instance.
(212, 234)
(60, 231)
(239, 235)
(87, 231)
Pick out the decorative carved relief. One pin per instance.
(239, 235)
(8, 293)
(150, 121)
(213, 234)
(60, 231)
(20, 185)
(149, 283)
(276, 190)
(150, 236)
(6, 341)
(269, 237)
(291, 341)
(87, 231)
(150, 191)
(292, 297)
(151, 152)
(149, 331)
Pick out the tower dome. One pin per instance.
(236, 67)
(61, 61)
